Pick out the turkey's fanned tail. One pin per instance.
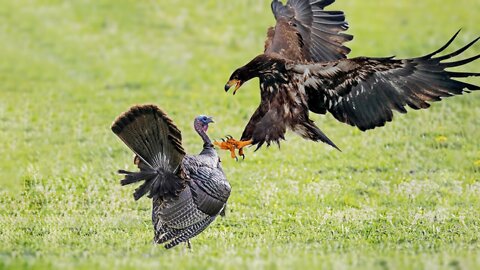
(156, 141)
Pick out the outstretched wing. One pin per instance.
(363, 91)
(306, 32)
(155, 139)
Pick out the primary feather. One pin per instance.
(305, 31)
(364, 91)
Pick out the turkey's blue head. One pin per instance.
(201, 122)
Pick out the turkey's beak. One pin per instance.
(231, 83)
(209, 120)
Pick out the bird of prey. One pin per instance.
(188, 191)
(304, 68)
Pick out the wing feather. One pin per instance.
(363, 92)
(306, 32)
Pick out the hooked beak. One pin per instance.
(210, 120)
(231, 83)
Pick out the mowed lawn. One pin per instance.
(405, 196)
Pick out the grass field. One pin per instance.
(406, 196)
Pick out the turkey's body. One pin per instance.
(179, 219)
(188, 191)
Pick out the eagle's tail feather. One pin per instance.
(310, 131)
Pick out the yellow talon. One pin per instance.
(231, 144)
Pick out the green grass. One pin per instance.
(406, 196)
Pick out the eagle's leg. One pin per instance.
(233, 155)
(240, 153)
(225, 145)
(231, 144)
(240, 145)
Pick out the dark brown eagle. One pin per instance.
(305, 68)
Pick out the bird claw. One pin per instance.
(231, 145)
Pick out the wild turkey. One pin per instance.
(188, 191)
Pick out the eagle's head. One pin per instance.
(261, 65)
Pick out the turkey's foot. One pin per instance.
(231, 145)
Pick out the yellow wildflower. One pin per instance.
(441, 139)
